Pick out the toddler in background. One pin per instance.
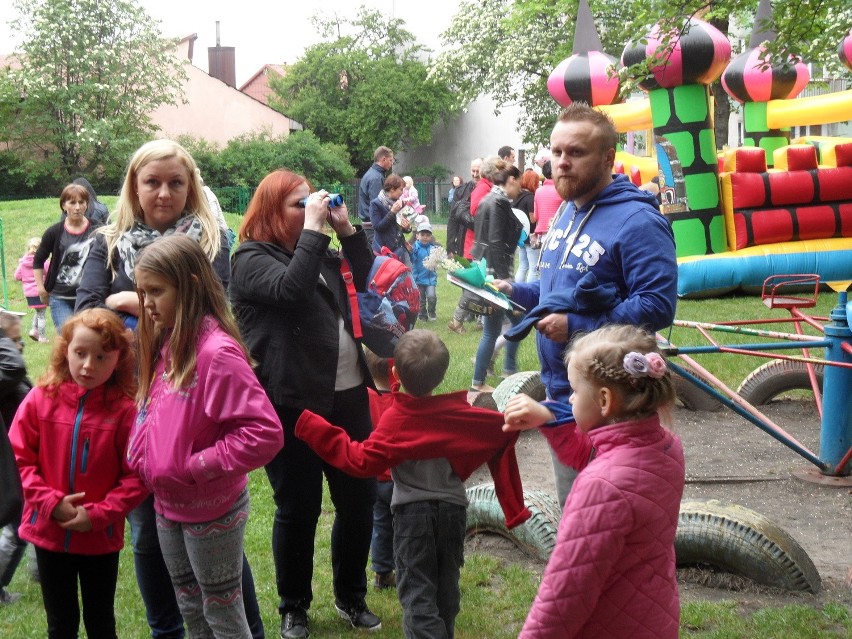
(70, 435)
(612, 572)
(24, 274)
(425, 278)
(381, 545)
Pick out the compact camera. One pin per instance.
(335, 200)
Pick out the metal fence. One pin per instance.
(432, 195)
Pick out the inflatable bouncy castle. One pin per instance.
(772, 206)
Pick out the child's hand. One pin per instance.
(523, 413)
(80, 522)
(66, 510)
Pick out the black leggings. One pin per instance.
(97, 574)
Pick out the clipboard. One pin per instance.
(486, 294)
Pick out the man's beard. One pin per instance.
(571, 188)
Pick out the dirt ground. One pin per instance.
(729, 459)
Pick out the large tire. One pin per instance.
(775, 378)
(692, 397)
(525, 382)
(536, 536)
(744, 542)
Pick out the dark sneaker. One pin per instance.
(385, 580)
(359, 616)
(294, 624)
(7, 597)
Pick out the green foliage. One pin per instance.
(436, 172)
(507, 48)
(92, 72)
(247, 159)
(364, 87)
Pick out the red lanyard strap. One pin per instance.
(349, 280)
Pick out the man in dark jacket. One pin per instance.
(460, 218)
(371, 184)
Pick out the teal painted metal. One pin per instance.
(836, 428)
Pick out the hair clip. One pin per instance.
(650, 365)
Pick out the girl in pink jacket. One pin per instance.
(24, 274)
(70, 435)
(612, 572)
(204, 422)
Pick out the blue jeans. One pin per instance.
(60, 310)
(492, 328)
(428, 538)
(155, 584)
(381, 546)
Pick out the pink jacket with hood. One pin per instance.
(193, 447)
(612, 572)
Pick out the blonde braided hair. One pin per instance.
(599, 356)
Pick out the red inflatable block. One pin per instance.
(801, 157)
(835, 184)
(748, 190)
(815, 222)
(843, 153)
(794, 187)
(770, 226)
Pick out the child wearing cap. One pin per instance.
(426, 279)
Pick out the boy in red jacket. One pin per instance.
(432, 444)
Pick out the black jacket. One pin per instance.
(288, 319)
(460, 218)
(496, 234)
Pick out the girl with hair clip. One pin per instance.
(70, 436)
(204, 422)
(612, 572)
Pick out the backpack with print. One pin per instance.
(389, 306)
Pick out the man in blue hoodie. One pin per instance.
(607, 231)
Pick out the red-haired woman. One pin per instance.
(293, 310)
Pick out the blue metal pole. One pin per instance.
(836, 429)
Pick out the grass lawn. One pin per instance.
(495, 596)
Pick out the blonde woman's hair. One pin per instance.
(599, 357)
(179, 260)
(128, 210)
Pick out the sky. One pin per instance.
(263, 32)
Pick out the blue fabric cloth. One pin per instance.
(626, 242)
(589, 296)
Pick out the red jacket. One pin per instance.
(72, 443)
(482, 188)
(380, 401)
(612, 572)
(426, 428)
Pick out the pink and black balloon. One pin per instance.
(750, 77)
(588, 75)
(697, 56)
(845, 50)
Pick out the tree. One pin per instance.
(247, 159)
(507, 48)
(92, 72)
(364, 89)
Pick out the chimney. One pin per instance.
(221, 62)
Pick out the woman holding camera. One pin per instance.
(389, 231)
(292, 306)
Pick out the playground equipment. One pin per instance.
(772, 206)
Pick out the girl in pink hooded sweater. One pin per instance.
(24, 274)
(612, 572)
(204, 422)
